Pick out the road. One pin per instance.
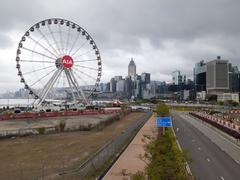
(208, 160)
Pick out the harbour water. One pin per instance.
(16, 102)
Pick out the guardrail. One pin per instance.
(230, 129)
(97, 160)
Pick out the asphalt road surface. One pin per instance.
(209, 162)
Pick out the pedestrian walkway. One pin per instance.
(129, 162)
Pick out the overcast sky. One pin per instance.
(160, 35)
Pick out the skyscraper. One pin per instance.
(113, 84)
(145, 77)
(217, 76)
(177, 78)
(132, 69)
(200, 71)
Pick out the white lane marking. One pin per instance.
(221, 178)
(208, 159)
(187, 165)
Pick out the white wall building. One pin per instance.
(228, 97)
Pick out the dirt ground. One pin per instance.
(71, 122)
(36, 157)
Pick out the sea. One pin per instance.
(16, 102)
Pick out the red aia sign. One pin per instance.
(67, 61)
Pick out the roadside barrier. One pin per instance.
(35, 115)
(226, 127)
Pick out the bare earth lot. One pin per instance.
(39, 156)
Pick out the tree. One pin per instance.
(162, 110)
(167, 161)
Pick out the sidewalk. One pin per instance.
(129, 161)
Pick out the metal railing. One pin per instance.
(97, 160)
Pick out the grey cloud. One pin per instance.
(197, 29)
(5, 41)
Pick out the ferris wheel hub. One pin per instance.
(67, 61)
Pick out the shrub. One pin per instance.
(84, 127)
(41, 130)
(62, 126)
(166, 159)
(57, 129)
(162, 110)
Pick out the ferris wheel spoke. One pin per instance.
(84, 53)
(60, 34)
(50, 45)
(32, 61)
(38, 70)
(38, 53)
(68, 39)
(86, 60)
(79, 77)
(88, 75)
(58, 80)
(37, 42)
(86, 67)
(42, 77)
(78, 87)
(75, 41)
(79, 48)
(54, 39)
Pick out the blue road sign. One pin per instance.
(164, 122)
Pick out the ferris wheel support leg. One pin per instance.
(49, 86)
(70, 85)
(78, 88)
(73, 83)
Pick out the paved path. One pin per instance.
(205, 146)
(129, 161)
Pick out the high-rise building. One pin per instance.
(113, 84)
(177, 78)
(145, 78)
(199, 72)
(217, 76)
(117, 78)
(137, 88)
(128, 87)
(120, 87)
(234, 76)
(132, 69)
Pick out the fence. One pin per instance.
(35, 115)
(218, 124)
(97, 160)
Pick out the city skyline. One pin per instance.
(160, 36)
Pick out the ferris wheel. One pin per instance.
(58, 60)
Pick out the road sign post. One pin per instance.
(163, 122)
